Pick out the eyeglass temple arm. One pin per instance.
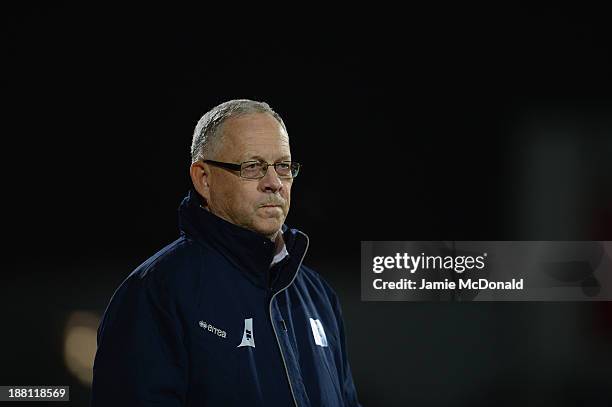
(229, 166)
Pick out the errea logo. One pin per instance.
(211, 328)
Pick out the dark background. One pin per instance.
(460, 123)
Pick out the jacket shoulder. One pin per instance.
(174, 272)
(176, 256)
(169, 278)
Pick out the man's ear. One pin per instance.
(200, 173)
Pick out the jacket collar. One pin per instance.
(249, 251)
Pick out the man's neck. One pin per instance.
(279, 242)
(280, 250)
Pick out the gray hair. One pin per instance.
(207, 134)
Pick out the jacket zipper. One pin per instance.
(272, 320)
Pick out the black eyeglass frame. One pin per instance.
(238, 167)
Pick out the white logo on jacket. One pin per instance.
(211, 328)
(318, 332)
(247, 337)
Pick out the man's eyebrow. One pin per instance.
(286, 157)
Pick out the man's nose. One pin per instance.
(271, 181)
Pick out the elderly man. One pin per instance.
(228, 315)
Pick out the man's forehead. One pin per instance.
(262, 149)
(255, 135)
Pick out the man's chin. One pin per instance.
(268, 228)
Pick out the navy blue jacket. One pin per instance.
(207, 322)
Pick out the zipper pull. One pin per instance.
(283, 325)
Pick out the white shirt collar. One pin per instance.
(280, 255)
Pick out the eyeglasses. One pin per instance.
(257, 169)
